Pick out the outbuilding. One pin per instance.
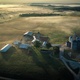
(28, 36)
(6, 48)
(28, 33)
(16, 42)
(24, 46)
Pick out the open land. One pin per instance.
(55, 22)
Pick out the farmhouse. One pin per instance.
(37, 35)
(41, 37)
(6, 48)
(28, 36)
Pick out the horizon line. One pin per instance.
(41, 2)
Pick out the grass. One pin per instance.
(17, 63)
(52, 29)
(66, 54)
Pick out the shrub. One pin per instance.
(56, 49)
(48, 45)
(37, 43)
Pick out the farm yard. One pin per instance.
(19, 63)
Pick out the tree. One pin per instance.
(37, 43)
(48, 45)
(56, 49)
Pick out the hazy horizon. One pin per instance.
(40, 1)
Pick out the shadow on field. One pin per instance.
(50, 61)
(8, 54)
(39, 63)
(63, 73)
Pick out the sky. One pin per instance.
(37, 1)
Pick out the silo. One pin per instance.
(74, 45)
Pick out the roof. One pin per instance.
(34, 40)
(44, 44)
(44, 38)
(16, 42)
(28, 33)
(24, 46)
(34, 37)
(5, 48)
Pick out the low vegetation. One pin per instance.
(19, 64)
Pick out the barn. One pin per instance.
(24, 46)
(6, 48)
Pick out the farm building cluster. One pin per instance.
(28, 39)
(74, 42)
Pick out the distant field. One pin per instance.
(13, 26)
(57, 28)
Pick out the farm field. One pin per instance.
(57, 28)
(15, 20)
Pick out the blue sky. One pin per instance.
(31, 1)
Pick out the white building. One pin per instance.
(6, 48)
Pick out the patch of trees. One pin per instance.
(48, 45)
(37, 44)
(56, 49)
(67, 8)
(36, 14)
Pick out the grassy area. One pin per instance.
(56, 27)
(17, 63)
(49, 26)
